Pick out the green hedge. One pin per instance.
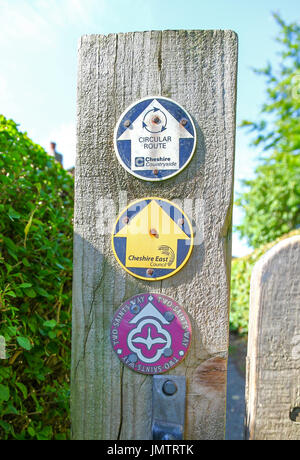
(241, 270)
(36, 208)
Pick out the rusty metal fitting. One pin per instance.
(154, 232)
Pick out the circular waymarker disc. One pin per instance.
(152, 239)
(151, 333)
(155, 138)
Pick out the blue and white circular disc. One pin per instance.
(155, 138)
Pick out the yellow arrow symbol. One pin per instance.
(152, 237)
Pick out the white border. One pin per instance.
(117, 152)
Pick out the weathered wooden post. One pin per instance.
(2, 348)
(198, 70)
(273, 361)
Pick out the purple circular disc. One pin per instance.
(151, 333)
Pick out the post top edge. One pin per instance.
(91, 37)
(273, 253)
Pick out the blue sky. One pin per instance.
(38, 66)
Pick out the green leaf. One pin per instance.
(25, 285)
(10, 409)
(12, 330)
(31, 431)
(4, 393)
(27, 228)
(5, 372)
(42, 292)
(12, 254)
(60, 437)
(30, 293)
(24, 343)
(52, 323)
(22, 388)
(45, 433)
(59, 266)
(12, 214)
(52, 334)
(26, 262)
(6, 426)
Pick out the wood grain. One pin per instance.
(198, 70)
(273, 361)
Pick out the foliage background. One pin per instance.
(35, 289)
(271, 201)
(241, 271)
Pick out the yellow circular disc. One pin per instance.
(152, 239)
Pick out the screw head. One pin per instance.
(127, 123)
(150, 272)
(134, 309)
(125, 220)
(168, 352)
(153, 232)
(155, 172)
(156, 120)
(132, 358)
(180, 221)
(169, 316)
(169, 388)
(183, 122)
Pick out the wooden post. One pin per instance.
(2, 347)
(273, 362)
(197, 69)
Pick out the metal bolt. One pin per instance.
(156, 120)
(155, 172)
(135, 309)
(127, 123)
(168, 352)
(169, 316)
(169, 388)
(184, 122)
(132, 358)
(154, 232)
(180, 221)
(150, 272)
(126, 220)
